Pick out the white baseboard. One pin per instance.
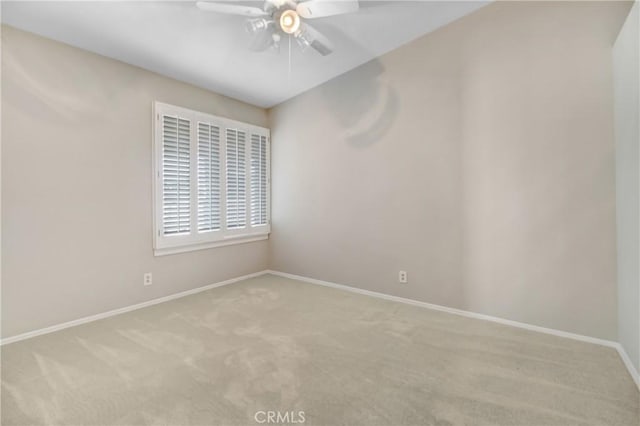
(130, 308)
(588, 339)
(627, 362)
(450, 310)
(560, 333)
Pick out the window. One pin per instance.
(211, 181)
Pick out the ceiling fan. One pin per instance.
(279, 18)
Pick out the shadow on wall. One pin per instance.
(58, 99)
(365, 106)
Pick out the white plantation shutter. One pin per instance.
(259, 182)
(211, 180)
(176, 174)
(208, 177)
(236, 179)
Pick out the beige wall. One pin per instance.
(76, 186)
(479, 158)
(626, 60)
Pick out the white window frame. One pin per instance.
(171, 244)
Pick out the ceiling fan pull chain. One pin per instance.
(289, 74)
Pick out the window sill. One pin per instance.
(203, 246)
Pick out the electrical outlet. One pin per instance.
(147, 279)
(402, 277)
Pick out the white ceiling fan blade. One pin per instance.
(230, 9)
(322, 8)
(310, 37)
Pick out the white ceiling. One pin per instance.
(178, 40)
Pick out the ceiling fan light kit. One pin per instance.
(280, 18)
(256, 25)
(289, 21)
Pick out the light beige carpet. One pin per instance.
(272, 344)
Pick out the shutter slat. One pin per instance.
(236, 179)
(176, 194)
(208, 177)
(258, 182)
